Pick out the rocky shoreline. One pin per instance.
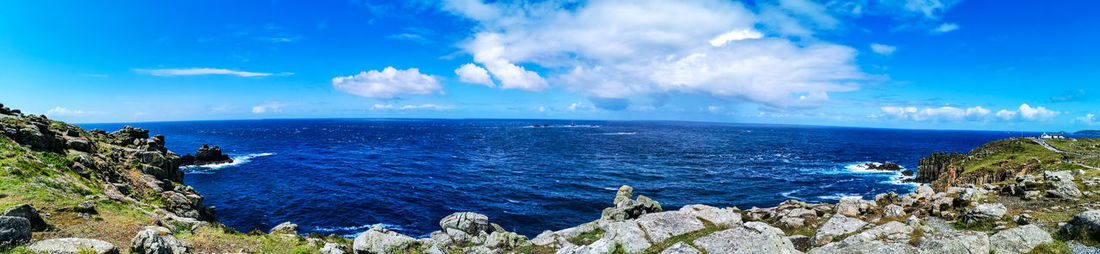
(67, 190)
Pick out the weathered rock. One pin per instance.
(470, 223)
(506, 240)
(719, 216)
(625, 208)
(285, 228)
(680, 248)
(73, 246)
(628, 234)
(752, 237)
(866, 248)
(381, 241)
(28, 212)
(984, 213)
(893, 211)
(954, 241)
(1064, 190)
(1019, 240)
(663, 225)
(157, 240)
(14, 231)
(333, 248)
(836, 226)
(792, 222)
(556, 237)
(1058, 176)
(924, 191)
(849, 206)
(1085, 222)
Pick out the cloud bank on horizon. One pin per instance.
(835, 62)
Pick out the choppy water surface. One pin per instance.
(343, 176)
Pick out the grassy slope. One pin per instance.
(1015, 151)
(44, 180)
(1081, 145)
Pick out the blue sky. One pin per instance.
(923, 64)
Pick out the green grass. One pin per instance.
(977, 226)
(1056, 247)
(587, 238)
(1080, 145)
(1016, 151)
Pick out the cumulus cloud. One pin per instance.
(410, 107)
(1026, 112)
(387, 83)
(473, 74)
(619, 49)
(948, 113)
(944, 28)
(1088, 119)
(205, 71)
(271, 107)
(883, 49)
(61, 111)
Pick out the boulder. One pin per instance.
(664, 225)
(73, 246)
(893, 211)
(1058, 176)
(752, 237)
(28, 212)
(381, 241)
(836, 226)
(849, 206)
(680, 248)
(719, 216)
(157, 240)
(984, 213)
(14, 231)
(866, 248)
(924, 191)
(1085, 222)
(1019, 239)
(470, 223)
(626, 208)
(954, 241)
(333, 248)
(1064, 190)
(627, 234)
(506, 240)
(285, 228)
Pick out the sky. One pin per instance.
(914, 64)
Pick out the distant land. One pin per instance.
(1087, 132)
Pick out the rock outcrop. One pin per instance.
(28, 212)
(157, 240)
(73, 246)
(14, 231)
(206, 155)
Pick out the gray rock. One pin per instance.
(628, 234)
(752, 237)
(470, 223)
(984, 212)
(1019, 240)
(1064, 190)
(954, 241)
(719, 216)
(848, 206)
(72, 246)
(680, 248)
(663, 225)
(156, 240)
(285, 228)
(28, 211)
(893, 211)
(555, 238)
(891, 232)
(14, 231)
(625, 208)
(333, 248)
(1086, 222)
(836, 226)
(506, 240)
(1058, 176)
(866, 248)
(381, 241)
(792, 222)
(800, 242)
(924, 191)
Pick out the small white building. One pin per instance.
(1053, 135)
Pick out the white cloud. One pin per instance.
(387, 83)
(577, 106)
(735, 35)
(473, 74)
(945, 113)
(410, 107)
(61, 111)
(883, 49)
(1088, 119)
(542, 109)
(205, 71)
(620, 49)
(1026, 112)
(944, 28)
(272, 107)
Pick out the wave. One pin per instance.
(839, 196)
(896, 177)
(357, 229)
(620, 133)
(237, 160)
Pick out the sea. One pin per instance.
(344, 176)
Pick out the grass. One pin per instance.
(1080, 145)
(587, 238)
(1017, 151)
(1056, 247)
(977, 226)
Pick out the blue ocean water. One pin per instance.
(343, 176)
